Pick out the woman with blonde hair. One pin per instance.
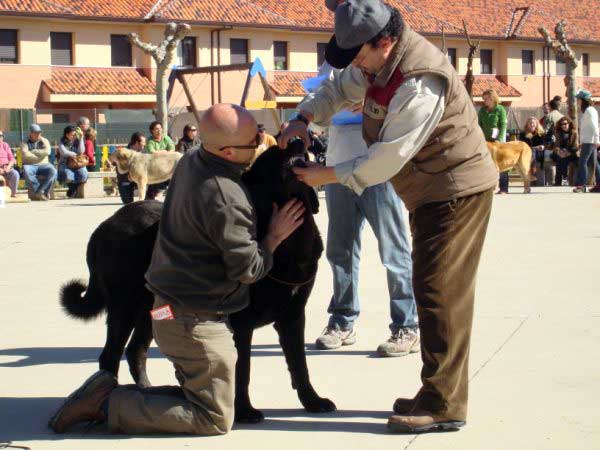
(492, 120)
(534, 135)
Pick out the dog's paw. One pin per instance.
(319, 405)
(248, 415)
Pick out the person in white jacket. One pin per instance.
(590, 141)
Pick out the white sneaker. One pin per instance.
(333, 337)
(401, 343)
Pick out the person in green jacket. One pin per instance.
(492, 120)
(157, 140)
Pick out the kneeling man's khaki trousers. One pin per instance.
(447, 242)
(202, 351)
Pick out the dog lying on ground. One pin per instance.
(119, 252)
(145, 169)
(511, 154)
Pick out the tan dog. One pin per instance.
(145, 169)
(511, 154)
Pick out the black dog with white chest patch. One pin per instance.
(119, 253)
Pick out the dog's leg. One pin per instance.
(244, 412)
(291, 337)
(118, 329)
(137, 349)
(142, 184)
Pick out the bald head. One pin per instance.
(225, 124)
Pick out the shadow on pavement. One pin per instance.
(26, 419)
(37, 356)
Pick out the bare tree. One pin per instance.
(444, 49)
(163, 55)
(473, 49)
(561, 48)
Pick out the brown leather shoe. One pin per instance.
(422, 422)
(85, 404)
(404, 405)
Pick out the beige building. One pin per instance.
(74, 56)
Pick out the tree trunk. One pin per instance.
(162, 109)
(571, 92)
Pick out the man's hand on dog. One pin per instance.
(284, 222)
(315, 174)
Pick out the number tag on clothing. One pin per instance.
(162, 313)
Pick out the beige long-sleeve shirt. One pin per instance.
(415, 110)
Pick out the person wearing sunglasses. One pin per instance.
(205, 258)
(189, 140)
(566, 149)
(7, 163)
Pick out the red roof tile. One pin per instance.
(592, 85)
(484, 82)
(289, 84)
(98, 81)
(496, 19)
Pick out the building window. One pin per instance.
(485, 57)
(186, 52)
(120, 50)
(280, 51)
(60, 118)
(561, 66)
(527, 62)
(320, 54)
(61, 48)
(8, 47)
(452, 57)
(585, 63)
(239, 51)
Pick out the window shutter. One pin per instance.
(61, 47)
(8, 46)
(239, 51)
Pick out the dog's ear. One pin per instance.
(313, 200)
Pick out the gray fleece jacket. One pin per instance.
(206, 253)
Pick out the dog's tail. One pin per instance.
(81, 301)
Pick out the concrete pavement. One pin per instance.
(535, 356)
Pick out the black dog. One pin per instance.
(119, 253)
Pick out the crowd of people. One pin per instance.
(76, 157)
(558, 158)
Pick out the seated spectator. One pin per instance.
(90, 148)
(126, 186)
(535, 136)
(35, 152)
(566, 150)
(7, 162)
(157, 142)
(189, 139)
(70, 147)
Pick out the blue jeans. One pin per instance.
(31, 174)
(588, 151)
(382, 208)
(503, 182)
(68, 176)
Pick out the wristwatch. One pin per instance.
(302, 119)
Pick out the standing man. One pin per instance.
(205, 257)
(422, 132)
(35, 152)
(347, 211)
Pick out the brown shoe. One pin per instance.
(39, 197)
(404, 405)
(422, 422)
(85, 404)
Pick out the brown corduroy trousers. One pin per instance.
(447, 242)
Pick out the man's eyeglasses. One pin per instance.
(258, 140)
